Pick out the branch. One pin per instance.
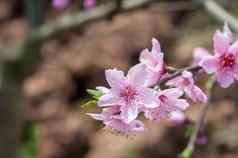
(78, 19)
(65, 23)
(68, 22)
(178, 72)
(220, 13)
(187, 152)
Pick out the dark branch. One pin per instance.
(179, 72)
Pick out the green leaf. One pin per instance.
(96, 94)
(187, 152)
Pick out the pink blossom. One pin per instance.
(198, 54)
(186, 83)
(111, 118)
(130, 92)
(224, 63)
(154, 61)
(177, 117)
(168, 102)
(89, 3)
(60, 4)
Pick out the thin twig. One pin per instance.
(220, 13)
(200, 119)
(74, 20)
(68, 22)
(78, 19)
(199, 123)
(177, 73)
(175, 6)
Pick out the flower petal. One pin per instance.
(137, 125)
(196, 94)
(200, 95)
(177, 117)
(146, 57)
(96, 116)
(154, 114)
(220, 43)
(235, 71)
(172, 93)
(159, 63)
(148, 97)
(123, 127)
(234, 49)
(188, 77)
(227, 33)
(112, 110)
(199, 54)
(209, 64)
(115, 78)
(118, 125)
(153, 59)
(129, 113)
(103, 89)
(180, 104)
(155, 46)
(89, 3)
(176, 82)
(153, 78)
(109, 100)
(138, 76)
(60, 4)
(225, 79)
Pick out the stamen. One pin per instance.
(163, 98)
(227, 61)
(129, 93)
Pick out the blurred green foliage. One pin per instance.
(187, 152)
(29, 140)
(132, 152)
(189, 130)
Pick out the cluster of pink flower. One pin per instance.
(61, 4)
(138, 92)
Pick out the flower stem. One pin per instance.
(199, 123)
(179, 72)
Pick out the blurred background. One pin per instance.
(51, 51)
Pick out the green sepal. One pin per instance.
(89, 104)
(96, 94)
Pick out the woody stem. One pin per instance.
(179, 72)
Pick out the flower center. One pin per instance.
(227, 61)
(163, 98)
(128, 93)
